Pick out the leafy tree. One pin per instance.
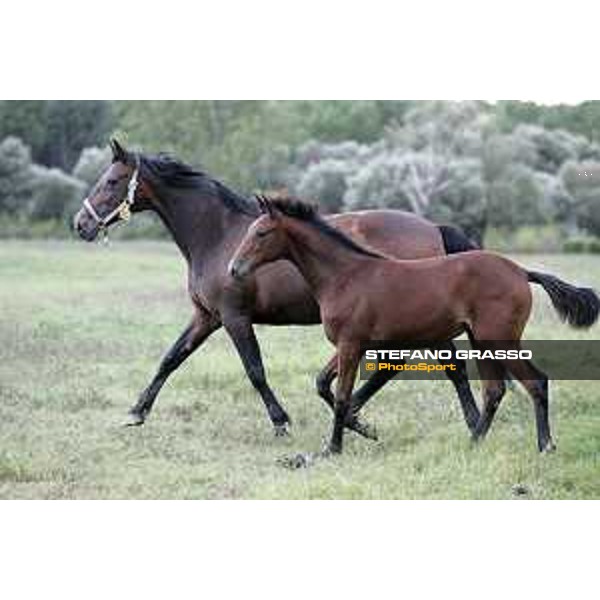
(15, 167)
(56, 130)
(333, 121)
(581, 119)
(72, 126)
(515, 198)
(91, 164)
(463, 201)
(552, 147)
(26, 120)
(448, 129)
(582, 182)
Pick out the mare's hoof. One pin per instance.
(362, 428)
(134, 419)
(549, 448)
(282, 430)
(476, 440)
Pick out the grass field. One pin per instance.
(82, 329)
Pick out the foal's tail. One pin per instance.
(578, 306)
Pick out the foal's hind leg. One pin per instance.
(323, 384)
(493, 390)
(536, 384)
(460, 381)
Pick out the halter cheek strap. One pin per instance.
(123, 210)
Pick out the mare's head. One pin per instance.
(114, 196)
(266, 239)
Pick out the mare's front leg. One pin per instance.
(241, 332)
(348, 361)
(200, 328)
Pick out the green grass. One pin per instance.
(82, 331)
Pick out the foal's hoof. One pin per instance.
(297, 461)
(134, 419)
(282, 430)
(365, 429)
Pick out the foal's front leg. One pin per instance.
(353, 422)
(348, 361)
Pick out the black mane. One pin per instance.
(297, 209)
(172, 172)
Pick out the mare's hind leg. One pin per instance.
(240, 330)
(323, 384)
(536, 384)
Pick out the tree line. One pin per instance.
(476, 164)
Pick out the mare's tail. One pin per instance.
(455, 240)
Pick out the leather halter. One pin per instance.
(123, 210)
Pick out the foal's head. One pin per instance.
(115, 195)
(264, 242)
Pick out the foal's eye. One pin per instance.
(262, 234)
(112, 182)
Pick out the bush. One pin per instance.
(582, 245)
(55, 195)
(529, 239)
(379, 184)
(20, 227)
(326, 183)
(91, 164)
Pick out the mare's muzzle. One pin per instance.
(122, 212)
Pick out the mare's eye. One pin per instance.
(262, 233)
(112, 182)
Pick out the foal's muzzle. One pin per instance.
(238, 269)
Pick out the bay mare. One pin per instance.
(366, 296)
(207, 221)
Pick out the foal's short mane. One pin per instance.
(297, 209)
(175, 173)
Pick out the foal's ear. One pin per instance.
(119, 153)
(265, 206)
(261, 203)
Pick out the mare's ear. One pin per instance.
(119, 153)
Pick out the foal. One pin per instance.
(365, 296)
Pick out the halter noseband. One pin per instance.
(123, 210)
